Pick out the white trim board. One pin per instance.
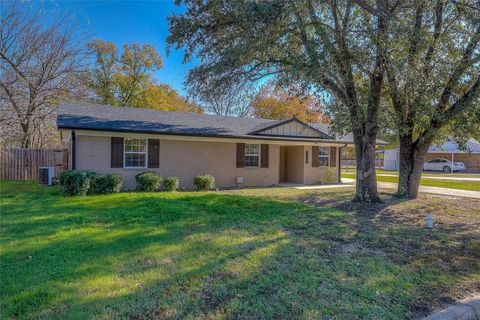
(255, 140)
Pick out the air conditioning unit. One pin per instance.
(46, 175)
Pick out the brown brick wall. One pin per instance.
(183, 159)
(187, 159)
(471, 161)
(315, 175)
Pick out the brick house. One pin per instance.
(448, 150)
(236, 151)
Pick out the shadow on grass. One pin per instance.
(212, 255)
(445, 260)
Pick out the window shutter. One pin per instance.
(264, 156)
(153, 153)
(240, 155)
(333, 156)
(116, 159)
(315, 151)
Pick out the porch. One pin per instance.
(308, 164)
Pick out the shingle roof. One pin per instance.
(102, 117)
(450, 145)
(347, 138)
(126, 119)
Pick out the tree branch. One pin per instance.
(437, 30)
(365, 6)
(457, 73)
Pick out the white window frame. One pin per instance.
(327, 156)
(251, 154)
(135, 152)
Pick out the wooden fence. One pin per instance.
(23, 164)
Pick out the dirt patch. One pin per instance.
(159, 313)
(152, 262)
(397, 229)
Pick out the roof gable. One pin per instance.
(291, 128)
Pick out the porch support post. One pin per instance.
(340, 163)
(74, 150)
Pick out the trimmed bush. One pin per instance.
(76, 183)
(105, 184)
(204, 182)
(171, 183)
(149, 181)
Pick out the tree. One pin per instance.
(164, 97)
(235, 100)
(103, 78)
(327, 45)
(273, 102)
(126, 78)
(120, 79)
(433, 72)
(38, 62)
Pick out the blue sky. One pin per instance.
(130, 21)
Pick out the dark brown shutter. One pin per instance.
(264, 156)
(117, 152)
(333, 156)
(153, 153)
(315, 151)
(240, 155)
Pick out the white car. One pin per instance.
(443, 165)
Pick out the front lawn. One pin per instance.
(453, 184)
(261, 253)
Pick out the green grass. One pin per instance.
(424, 174)
(453, 184)
(268, 253)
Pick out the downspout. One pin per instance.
(340, 163)
(74, 149)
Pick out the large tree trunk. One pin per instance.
(412, 157)
(26, 141)
(365, 138)
(366, 183)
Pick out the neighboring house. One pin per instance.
(236, 151)
(349, 161)
(448, 150)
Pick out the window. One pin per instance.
(135, 153)
(252, 155)
(306, 156)
(323, 155)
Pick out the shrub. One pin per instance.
(76, 183)
(204, 182)
(149, 181)
(171, 183)
(105, 184)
